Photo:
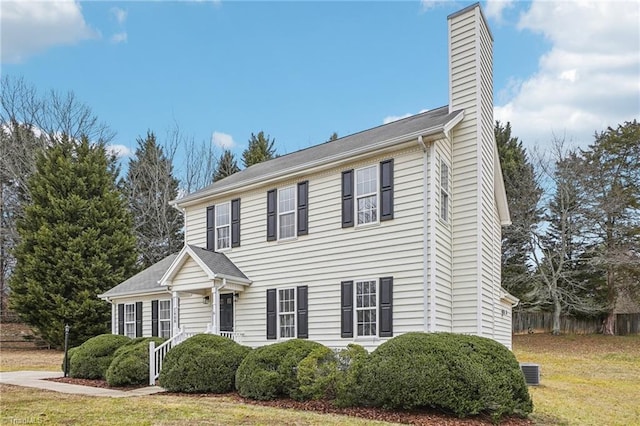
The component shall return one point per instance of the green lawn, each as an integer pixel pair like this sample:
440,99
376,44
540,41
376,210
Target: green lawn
585,380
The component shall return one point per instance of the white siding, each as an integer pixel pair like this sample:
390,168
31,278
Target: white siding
329,254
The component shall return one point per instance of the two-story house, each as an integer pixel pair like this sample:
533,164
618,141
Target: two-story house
390,230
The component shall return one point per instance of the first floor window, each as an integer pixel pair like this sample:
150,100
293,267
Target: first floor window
287,313
223,226
367,195
130,320
366,308
164,318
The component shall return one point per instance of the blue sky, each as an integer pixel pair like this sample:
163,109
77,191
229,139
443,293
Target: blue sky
302,70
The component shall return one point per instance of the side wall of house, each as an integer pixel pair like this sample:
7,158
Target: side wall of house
330,254
476,262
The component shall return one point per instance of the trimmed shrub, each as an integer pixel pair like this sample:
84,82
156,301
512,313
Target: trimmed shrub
70,353
91,359
202,363
349,387
270,371
331,375
130,365
462,374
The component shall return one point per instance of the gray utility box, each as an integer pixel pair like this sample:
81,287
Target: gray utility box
531,373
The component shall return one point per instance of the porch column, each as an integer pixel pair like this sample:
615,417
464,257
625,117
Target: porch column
114,320
175,312
215,302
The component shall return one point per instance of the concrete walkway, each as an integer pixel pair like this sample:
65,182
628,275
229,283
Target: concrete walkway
35,379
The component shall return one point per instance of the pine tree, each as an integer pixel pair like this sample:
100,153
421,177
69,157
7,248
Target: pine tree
260,149
227,165
76,242
523,197
150,186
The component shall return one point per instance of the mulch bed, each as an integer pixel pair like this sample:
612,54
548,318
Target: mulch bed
415,417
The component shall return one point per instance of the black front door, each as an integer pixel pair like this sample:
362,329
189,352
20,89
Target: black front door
226,312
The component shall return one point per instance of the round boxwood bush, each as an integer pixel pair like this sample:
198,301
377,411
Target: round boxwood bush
332,375
202,363
462,374
91,359
271,371
130,365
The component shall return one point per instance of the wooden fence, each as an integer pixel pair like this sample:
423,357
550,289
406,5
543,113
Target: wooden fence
542,322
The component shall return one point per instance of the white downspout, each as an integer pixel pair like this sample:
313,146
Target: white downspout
432,236
175,312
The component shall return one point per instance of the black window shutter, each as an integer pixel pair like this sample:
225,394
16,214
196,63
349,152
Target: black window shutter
121,318
235,222
211,228
138,319
154,318
303,208
272,222
346,301
271,314
386,307
303,311
386,190
347,199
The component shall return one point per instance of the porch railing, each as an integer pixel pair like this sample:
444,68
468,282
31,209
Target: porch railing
157,354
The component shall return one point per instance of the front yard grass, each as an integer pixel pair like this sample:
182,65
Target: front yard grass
585,379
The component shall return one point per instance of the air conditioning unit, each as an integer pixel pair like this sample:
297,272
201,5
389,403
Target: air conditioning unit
531,373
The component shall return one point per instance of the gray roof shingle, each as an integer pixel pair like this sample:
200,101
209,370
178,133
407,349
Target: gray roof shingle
218,262
143,282
432,120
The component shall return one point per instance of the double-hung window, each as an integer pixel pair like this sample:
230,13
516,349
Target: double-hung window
444,191
223,226
287,313
164,318
287,213
366,308
367,195
130,320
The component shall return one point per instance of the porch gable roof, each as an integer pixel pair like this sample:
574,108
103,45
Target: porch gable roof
213,264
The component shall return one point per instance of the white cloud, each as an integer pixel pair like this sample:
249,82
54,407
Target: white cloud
119,14
119,38
120,151
222,140
30,27
391,118
587,81
494,8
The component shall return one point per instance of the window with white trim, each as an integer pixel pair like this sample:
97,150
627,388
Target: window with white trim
367,195
130,320
223,226
287,213
444,191
164,318
366,308
287,313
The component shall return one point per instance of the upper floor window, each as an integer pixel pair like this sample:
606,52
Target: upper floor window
367,194
287,213
444,191
223,226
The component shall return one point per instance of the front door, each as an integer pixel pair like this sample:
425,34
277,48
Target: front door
226,312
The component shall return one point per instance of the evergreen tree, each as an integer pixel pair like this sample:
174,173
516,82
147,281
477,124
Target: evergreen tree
260,149
150,186
523,197
227,165
610,186
76,242
333,137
